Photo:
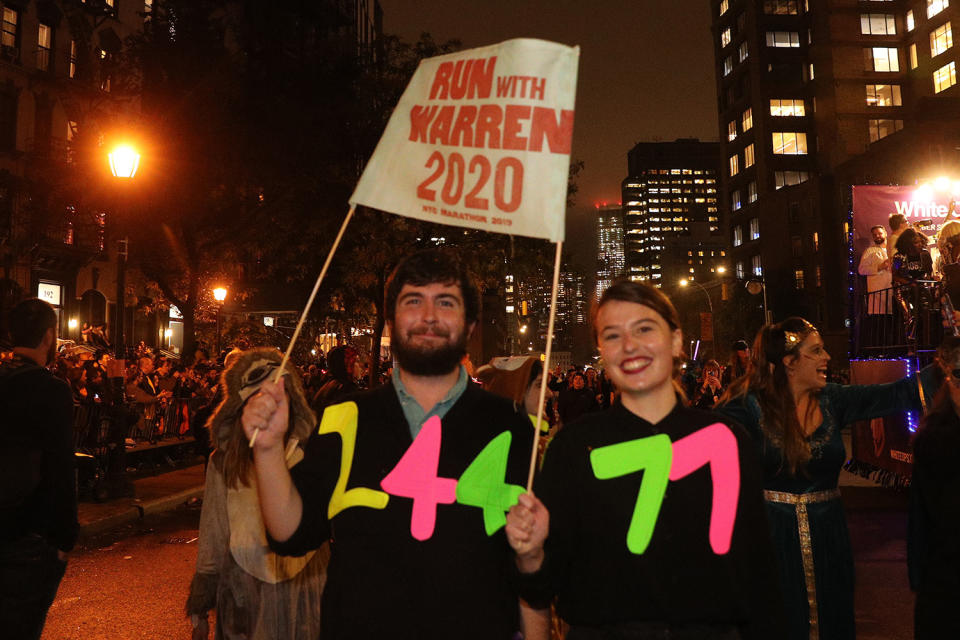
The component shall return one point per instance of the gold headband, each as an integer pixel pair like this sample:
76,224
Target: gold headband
792,339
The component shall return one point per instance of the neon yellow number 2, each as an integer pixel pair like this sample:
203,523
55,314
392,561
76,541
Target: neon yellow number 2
342,419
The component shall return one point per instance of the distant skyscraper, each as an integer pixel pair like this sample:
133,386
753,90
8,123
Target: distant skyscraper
611,261
671,187
814,97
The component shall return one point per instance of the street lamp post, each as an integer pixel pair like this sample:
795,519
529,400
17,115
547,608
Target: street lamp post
683,283
219,294
760,286
124,161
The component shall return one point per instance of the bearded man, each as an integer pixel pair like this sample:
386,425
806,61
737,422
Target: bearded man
388,477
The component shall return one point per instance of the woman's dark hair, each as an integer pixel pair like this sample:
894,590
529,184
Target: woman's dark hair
433,266
535,370
638,293
905,241
766,378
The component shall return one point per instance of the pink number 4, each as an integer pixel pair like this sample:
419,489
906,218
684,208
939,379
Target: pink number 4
415,476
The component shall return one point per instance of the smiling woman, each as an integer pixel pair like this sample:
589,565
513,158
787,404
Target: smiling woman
795,417
625,556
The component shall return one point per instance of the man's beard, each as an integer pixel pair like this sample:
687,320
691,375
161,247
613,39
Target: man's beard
429,361
880,241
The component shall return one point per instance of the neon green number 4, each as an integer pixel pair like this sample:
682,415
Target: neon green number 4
482,484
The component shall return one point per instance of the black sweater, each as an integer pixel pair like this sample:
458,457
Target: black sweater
36,452
678,579
383,583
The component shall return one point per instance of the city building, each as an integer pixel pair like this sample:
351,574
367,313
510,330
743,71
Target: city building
611,261
670,208
56,61
814,97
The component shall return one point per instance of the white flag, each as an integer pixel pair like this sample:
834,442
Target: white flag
481,139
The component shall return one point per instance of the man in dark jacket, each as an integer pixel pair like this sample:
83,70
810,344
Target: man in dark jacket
38,491
414,555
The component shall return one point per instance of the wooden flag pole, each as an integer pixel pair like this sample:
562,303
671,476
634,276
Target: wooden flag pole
306,309
546,367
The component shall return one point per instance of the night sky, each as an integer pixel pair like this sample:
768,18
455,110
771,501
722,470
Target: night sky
646,73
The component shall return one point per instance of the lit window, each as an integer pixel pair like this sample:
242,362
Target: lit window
727,65
724,6
752,192
936,6
818,273
748,156
73,59
737,236
816,242
811,76
754,228
945,77
910,22
746,120
732,130
734,165
789,39
877,24
883,127
883,95
147,10
913,55
798,278
725,37
881,59
786,107
781,7
743,51
740,271
789,178
941,39
44,44
757,268
11,22
510,308
789,143
735,200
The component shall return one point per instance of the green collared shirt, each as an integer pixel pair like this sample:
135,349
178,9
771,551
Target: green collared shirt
412,410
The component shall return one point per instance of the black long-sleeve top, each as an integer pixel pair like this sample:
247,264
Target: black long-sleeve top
678,579
36,447
933,539
383,583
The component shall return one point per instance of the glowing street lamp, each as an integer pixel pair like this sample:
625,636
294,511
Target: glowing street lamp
684,283
124,161
219,294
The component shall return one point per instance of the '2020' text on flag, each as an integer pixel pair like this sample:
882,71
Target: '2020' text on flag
481,139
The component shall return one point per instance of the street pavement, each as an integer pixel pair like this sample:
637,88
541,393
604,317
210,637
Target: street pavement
129,576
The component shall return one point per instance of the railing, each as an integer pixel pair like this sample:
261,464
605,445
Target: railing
107,439
902,320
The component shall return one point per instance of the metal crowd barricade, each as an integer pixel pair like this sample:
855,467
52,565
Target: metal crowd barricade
902,320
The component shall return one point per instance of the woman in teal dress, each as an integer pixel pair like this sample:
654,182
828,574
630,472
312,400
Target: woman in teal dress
784,401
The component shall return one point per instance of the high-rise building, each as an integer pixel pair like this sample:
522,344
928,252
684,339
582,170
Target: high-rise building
611,262
670,188
814,97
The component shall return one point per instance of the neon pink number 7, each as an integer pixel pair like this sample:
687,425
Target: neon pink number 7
717,446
